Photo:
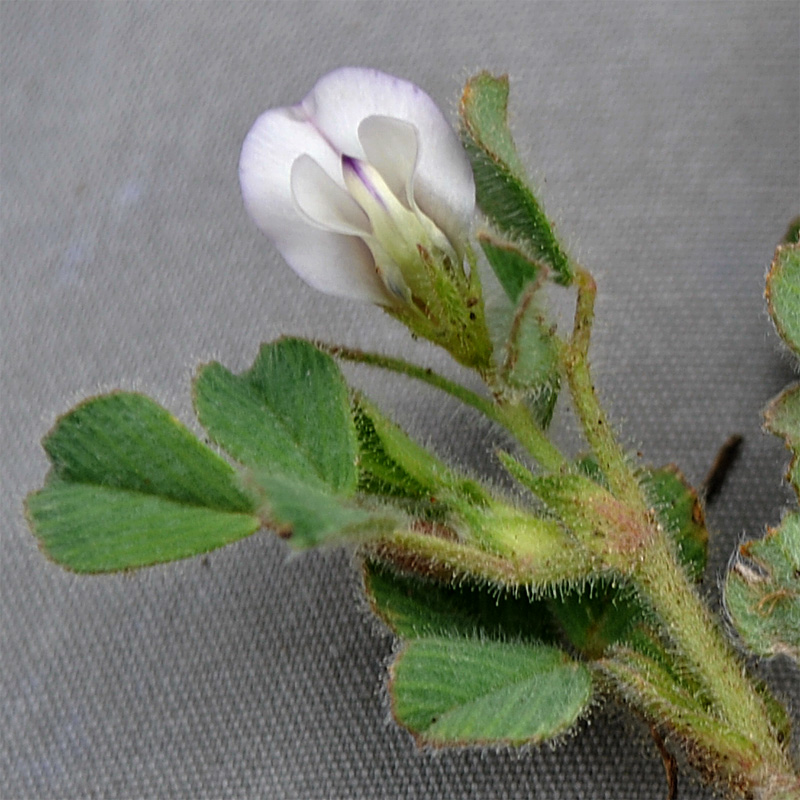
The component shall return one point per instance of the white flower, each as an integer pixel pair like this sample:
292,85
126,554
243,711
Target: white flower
361,186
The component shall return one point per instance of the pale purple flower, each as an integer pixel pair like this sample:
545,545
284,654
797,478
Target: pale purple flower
350,183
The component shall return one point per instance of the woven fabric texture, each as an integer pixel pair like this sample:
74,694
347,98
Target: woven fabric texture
665,139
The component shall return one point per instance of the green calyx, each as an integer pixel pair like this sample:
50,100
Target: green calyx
445,306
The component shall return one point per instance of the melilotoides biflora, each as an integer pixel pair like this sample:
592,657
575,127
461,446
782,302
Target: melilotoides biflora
513,611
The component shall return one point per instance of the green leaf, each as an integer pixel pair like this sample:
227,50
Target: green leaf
128,441
473,690
413,607
531,362
783,293
596,615
681,514
514,268
654,678
131,486
792,235
100,529
288,420
378,473
390,462
458,679
533,358
289,414
782,418
309,516
762,591
500,180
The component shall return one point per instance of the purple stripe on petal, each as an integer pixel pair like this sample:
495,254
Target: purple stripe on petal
355,166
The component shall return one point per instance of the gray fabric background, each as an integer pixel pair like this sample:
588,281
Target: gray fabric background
664,137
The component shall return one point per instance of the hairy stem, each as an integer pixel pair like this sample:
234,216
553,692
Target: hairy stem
691,627
656,571
517,419
611,457
450,561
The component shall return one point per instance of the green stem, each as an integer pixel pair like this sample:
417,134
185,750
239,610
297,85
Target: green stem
599,434
451,562
512,416
690,626
664,583
516,418
424,374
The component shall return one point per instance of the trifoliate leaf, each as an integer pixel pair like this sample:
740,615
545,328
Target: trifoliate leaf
131,486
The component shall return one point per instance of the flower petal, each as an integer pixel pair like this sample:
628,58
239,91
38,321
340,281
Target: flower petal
443,184
338,265
332,263
327,205
390,145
